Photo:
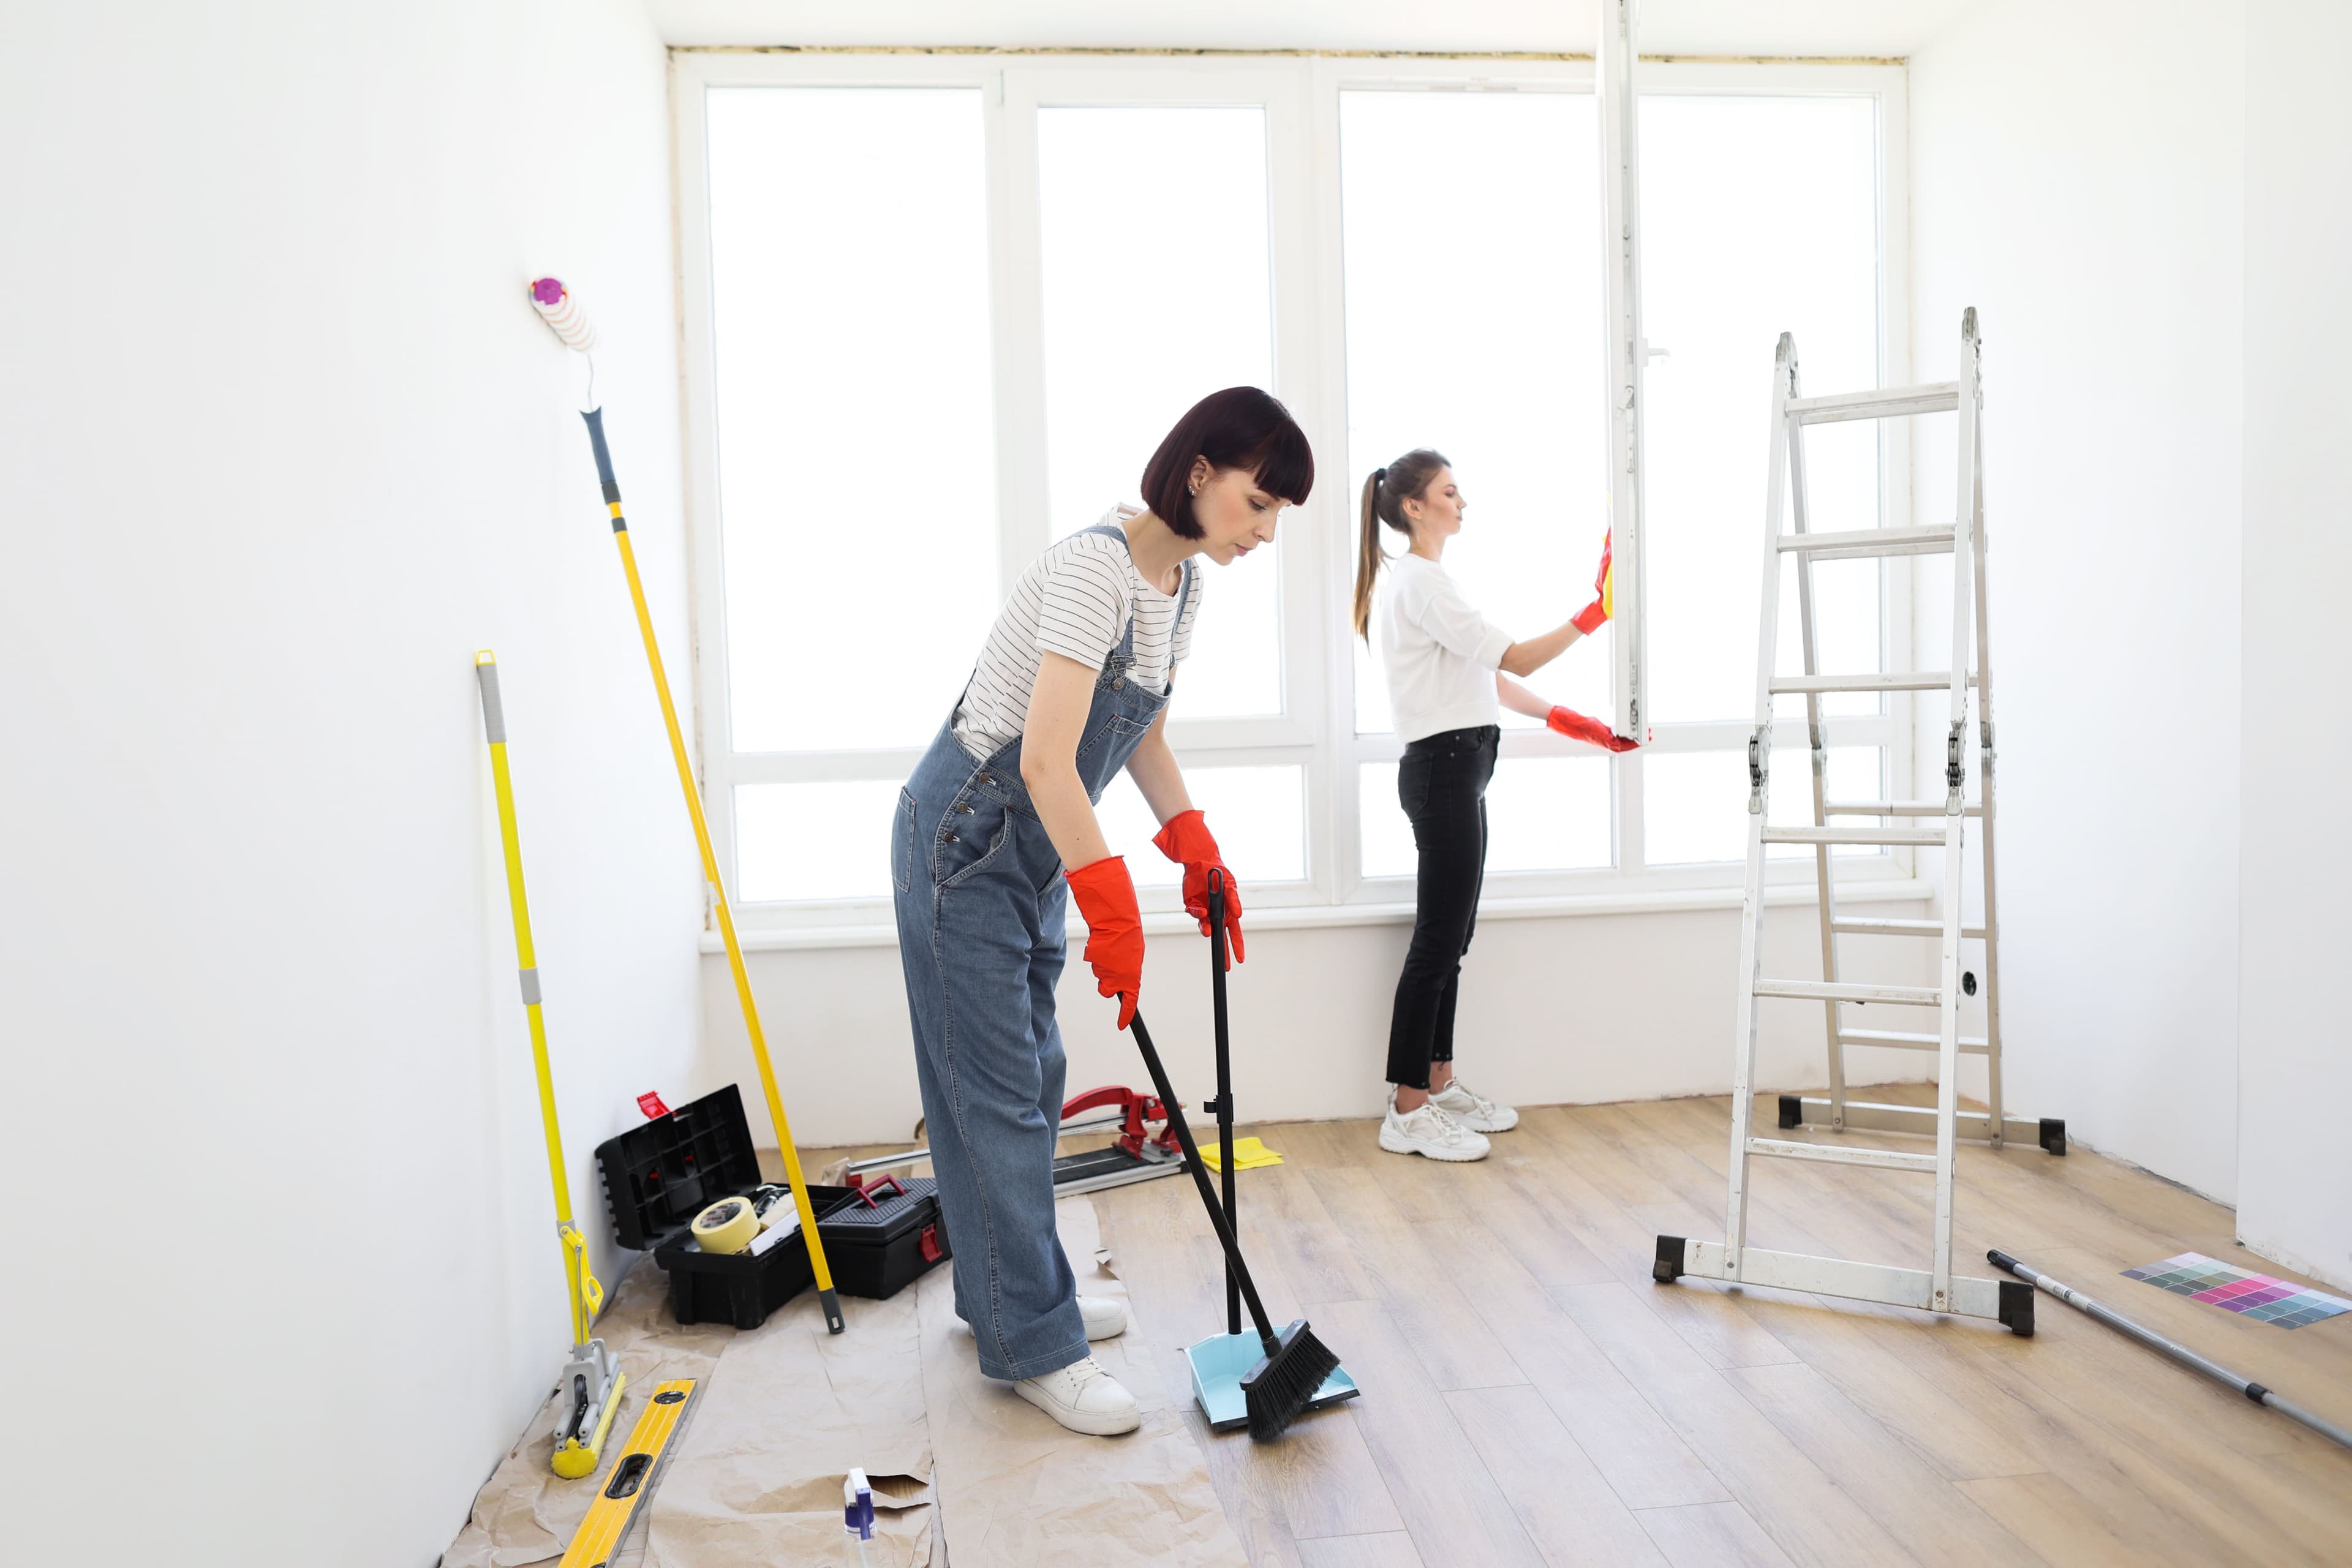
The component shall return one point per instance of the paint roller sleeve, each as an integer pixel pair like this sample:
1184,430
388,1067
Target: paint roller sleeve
562,313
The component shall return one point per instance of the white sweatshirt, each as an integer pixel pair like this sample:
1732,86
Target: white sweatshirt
1440,653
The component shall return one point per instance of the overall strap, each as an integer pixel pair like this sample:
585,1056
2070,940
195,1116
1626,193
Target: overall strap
1183,592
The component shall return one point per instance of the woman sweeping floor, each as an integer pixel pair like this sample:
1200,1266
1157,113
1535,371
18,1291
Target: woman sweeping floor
1449,675
1072,685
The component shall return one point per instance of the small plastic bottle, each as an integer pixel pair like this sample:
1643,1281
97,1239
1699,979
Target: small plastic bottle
856,1519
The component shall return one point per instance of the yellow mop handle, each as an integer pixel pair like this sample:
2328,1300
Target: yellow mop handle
831,1303
587,1295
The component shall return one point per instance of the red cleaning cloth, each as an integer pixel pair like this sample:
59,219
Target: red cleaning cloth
1567,722
1185,840
1105,895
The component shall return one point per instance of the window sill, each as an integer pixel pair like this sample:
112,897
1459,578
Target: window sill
1304,916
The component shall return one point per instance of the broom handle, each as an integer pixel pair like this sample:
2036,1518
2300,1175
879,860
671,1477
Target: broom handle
827,1301
1234,1268
1225,1084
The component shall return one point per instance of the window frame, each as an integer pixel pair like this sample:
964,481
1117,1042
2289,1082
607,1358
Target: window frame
1315,727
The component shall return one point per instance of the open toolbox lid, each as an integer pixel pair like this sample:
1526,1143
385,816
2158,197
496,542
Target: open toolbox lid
662,1172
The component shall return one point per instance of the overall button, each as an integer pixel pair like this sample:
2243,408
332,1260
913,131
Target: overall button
947,839
964,805
986,780
1119,685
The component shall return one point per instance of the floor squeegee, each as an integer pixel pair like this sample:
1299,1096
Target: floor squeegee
591,1382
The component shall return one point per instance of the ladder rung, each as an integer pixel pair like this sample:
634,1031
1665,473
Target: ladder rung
1930,836
1846,991
1935,541
1895,808
1837,1277
1970,1044
1900,928
1841,1154
1920,1122
1880,681
1887,403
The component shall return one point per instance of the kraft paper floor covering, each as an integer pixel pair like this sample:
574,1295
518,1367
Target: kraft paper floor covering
960,1467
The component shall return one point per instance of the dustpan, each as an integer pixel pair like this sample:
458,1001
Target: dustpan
1219,1361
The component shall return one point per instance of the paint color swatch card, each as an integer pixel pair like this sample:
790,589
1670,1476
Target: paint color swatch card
2256,1296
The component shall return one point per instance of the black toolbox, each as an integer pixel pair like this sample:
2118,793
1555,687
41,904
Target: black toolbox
659,1175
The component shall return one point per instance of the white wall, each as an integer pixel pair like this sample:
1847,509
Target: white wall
2295,1192
284,447
1553,1010
2077,173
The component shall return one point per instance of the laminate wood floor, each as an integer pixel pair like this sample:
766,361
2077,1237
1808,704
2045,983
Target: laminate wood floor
1532,1397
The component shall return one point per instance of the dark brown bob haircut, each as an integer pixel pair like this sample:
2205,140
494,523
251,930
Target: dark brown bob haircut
1241,427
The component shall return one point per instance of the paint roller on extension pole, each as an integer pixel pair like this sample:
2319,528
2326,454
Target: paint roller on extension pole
2101,1312
592,1380
565,319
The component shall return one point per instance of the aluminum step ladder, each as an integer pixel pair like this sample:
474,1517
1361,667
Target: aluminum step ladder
1935,1288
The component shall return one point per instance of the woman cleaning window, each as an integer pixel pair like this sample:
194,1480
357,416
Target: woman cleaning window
1071,687
1449,672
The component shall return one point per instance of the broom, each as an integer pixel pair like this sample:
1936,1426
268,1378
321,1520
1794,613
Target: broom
1287,1378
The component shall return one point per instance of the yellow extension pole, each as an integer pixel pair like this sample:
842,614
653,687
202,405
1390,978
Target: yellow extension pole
597,1380
825,1296
587,1295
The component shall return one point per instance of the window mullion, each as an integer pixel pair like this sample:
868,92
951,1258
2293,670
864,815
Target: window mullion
1017,297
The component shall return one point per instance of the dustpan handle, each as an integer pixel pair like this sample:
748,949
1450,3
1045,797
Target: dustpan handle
1224,1083
1235,1268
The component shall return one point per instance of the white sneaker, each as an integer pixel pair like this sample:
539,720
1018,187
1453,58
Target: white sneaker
1105,1317
1473,1110
1083,1397
1430,1131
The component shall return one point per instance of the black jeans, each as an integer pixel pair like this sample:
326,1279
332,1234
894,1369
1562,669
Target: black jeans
1442,784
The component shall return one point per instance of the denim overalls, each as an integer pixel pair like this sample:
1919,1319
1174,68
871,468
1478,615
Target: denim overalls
981,903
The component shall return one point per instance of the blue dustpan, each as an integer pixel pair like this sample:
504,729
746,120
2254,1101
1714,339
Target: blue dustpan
1218,1364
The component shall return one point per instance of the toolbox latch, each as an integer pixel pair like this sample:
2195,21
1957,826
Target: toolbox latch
931,1244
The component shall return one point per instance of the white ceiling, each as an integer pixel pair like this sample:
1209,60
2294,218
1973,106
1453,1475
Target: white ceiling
1814,28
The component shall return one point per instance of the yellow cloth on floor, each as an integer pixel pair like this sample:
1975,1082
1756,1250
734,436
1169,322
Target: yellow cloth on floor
1249,1154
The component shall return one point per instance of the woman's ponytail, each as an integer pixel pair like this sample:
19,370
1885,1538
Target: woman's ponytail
1369,554
1385,493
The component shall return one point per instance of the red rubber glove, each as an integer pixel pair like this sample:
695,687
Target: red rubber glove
1588,619
1185,840
1567,722
1105,895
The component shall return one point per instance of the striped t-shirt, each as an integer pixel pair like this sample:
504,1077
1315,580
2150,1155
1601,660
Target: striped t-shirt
1074,600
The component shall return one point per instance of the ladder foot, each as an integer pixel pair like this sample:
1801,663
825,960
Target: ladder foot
2017,1308
1669,1266
1792,1110
2054,1134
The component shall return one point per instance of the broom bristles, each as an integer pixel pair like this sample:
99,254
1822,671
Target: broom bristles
1280,1387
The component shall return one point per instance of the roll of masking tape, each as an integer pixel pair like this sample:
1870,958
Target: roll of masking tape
727,1225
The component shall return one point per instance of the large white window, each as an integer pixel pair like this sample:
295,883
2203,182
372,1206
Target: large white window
1474,303
1760,214
940,310
1137,328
